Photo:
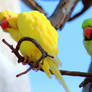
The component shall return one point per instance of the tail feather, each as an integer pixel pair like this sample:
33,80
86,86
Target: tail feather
51,66
46,68
56,59
56,72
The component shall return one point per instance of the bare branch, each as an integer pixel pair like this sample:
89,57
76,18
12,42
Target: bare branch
73,73
33,5
85,82
87,4
15,51
62,13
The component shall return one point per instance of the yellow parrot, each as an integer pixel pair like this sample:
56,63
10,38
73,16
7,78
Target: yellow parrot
35,25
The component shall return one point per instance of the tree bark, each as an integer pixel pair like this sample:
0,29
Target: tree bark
62,13
88,87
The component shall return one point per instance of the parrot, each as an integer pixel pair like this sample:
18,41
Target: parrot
35,25
87,41
87,27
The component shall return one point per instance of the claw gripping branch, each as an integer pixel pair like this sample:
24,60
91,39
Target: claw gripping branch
21,58
44,53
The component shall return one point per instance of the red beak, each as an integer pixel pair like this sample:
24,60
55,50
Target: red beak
4,24
88,32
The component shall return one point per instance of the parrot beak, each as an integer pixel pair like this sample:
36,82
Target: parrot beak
4,24
88,33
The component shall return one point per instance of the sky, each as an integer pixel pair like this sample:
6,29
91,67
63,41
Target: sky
71,52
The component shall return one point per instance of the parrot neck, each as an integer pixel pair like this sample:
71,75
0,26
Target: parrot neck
88,46
13,22
14,33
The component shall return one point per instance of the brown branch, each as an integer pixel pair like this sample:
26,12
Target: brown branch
88,86
20,58
62,13
73,73
86,5
70,73
33,5
85,82
78,14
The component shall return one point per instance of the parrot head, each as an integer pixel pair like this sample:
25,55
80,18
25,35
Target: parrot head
7,20
87,27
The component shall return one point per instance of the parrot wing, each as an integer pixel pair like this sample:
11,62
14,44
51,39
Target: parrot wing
36,25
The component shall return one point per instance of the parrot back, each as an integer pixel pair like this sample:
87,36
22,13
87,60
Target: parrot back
35,25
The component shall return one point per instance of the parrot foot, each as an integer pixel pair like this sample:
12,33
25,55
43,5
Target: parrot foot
33,67
44,55
26,61
36,68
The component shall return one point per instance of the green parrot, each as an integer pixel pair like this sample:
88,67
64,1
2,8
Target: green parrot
87,27
87,33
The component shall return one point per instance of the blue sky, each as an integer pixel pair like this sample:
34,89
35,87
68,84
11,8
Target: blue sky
71,52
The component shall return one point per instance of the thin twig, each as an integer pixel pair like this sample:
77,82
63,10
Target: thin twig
20,58
85,82
24,72
73,73
86,5
33,5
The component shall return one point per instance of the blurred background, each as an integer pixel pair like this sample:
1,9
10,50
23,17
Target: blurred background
8,65
71,52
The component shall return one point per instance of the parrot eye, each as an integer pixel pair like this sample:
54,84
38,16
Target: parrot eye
4,24
88,33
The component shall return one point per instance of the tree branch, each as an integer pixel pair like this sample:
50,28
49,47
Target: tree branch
86,5
62,13
75,73
33,5
63,72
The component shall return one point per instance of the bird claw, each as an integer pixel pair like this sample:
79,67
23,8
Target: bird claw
37,68
25,60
